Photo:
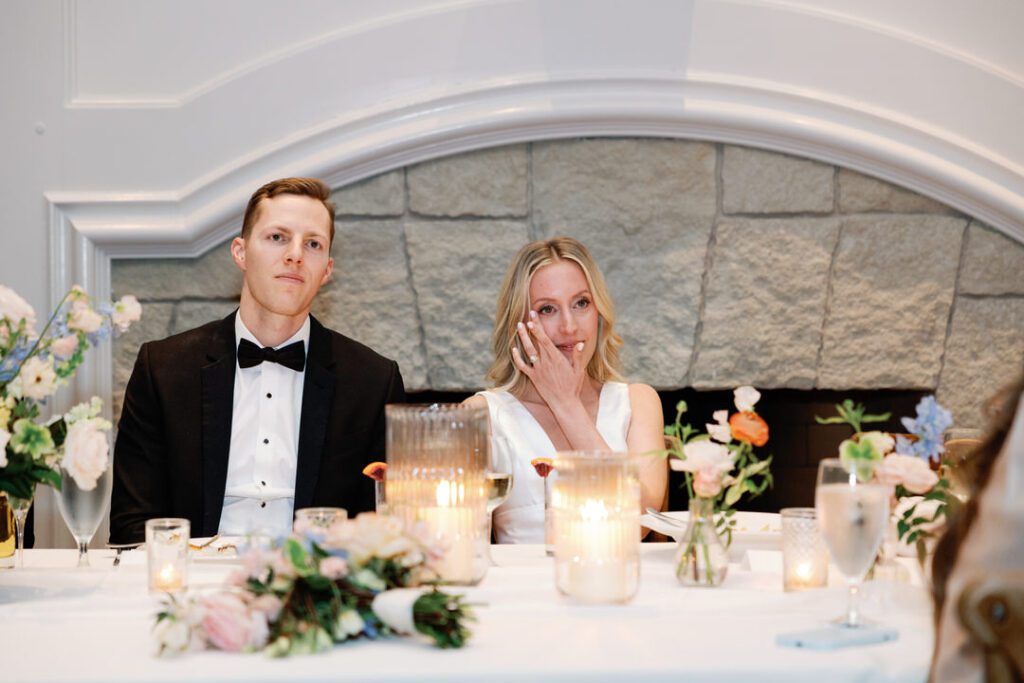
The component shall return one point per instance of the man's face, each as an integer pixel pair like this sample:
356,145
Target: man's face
285,259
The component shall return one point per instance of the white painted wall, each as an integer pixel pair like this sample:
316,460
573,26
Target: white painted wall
131,128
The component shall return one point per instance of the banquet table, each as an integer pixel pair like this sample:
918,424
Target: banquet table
58,623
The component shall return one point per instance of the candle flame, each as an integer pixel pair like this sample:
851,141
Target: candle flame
450,494
804,570
594,511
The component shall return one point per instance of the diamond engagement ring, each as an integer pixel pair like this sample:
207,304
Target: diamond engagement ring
534,359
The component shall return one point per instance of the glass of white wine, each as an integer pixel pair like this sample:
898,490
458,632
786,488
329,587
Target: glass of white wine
499,478
853,511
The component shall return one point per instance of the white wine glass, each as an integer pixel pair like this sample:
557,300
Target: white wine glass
83,509
853,512
499,482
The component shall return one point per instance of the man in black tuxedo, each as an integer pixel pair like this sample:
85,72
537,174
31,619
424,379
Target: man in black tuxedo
236,424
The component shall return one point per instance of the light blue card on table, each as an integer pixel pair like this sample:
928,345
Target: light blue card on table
836,637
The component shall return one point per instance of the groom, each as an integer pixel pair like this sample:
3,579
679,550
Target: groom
236,424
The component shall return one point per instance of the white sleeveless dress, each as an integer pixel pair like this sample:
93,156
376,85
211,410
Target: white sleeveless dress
520,519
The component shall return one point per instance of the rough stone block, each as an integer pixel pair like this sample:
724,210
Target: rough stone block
765,303
457,269
993,263
490,182
985,350
758,181
645,209
892,289
858,193
213,275
370,297
192,314
381,195
154,324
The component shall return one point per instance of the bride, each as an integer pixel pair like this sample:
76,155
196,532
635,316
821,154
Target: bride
558,383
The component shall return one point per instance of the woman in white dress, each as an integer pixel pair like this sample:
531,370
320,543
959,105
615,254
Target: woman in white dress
558,383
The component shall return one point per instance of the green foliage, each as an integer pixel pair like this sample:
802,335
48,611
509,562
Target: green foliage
852,414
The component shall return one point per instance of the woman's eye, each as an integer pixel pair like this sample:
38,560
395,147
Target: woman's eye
582,303
546,309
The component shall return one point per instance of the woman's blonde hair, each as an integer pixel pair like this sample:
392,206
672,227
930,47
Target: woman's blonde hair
514,303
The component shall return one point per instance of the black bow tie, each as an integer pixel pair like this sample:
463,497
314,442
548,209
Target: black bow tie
292,356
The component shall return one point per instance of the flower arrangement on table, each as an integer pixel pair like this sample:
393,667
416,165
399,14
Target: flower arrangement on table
368,577
922,500
32,367
720,467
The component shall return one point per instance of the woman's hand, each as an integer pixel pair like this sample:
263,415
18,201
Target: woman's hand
558,380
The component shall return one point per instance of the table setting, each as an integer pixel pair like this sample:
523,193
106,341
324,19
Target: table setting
417,591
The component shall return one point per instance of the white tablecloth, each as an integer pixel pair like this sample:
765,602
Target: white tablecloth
62,624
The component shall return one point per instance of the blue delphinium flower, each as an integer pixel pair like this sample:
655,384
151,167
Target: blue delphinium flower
931,421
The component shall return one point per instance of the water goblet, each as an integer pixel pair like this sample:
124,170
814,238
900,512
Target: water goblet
319,518
83,509
853,512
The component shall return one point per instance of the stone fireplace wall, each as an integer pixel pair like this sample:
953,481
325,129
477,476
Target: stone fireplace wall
728,265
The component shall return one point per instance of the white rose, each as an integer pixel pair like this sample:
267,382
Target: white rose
37,379
394,608
745,398
84,318
172,637
14,308
85,453
704,455
5,436
126,311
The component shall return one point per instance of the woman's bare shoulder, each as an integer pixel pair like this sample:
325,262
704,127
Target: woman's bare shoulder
475,401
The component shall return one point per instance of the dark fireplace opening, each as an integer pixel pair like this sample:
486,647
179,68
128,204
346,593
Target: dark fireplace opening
796,441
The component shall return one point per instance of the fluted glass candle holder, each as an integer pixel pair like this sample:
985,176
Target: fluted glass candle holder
167,554
596,504
804,555
437,474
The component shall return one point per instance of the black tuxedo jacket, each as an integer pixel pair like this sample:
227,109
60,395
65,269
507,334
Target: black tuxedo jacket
171,454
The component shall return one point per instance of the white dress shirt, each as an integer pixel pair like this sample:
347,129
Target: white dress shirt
265,418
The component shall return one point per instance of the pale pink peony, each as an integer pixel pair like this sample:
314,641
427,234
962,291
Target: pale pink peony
37,379
85,453
704,455
269,604
333,567
83,318
913,473
126,311
230,625
13,308
707,483
64,346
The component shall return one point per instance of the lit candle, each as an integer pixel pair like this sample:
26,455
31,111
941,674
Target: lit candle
167,579
453,525
804,559
598,569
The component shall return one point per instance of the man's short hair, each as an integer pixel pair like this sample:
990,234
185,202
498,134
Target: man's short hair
304,187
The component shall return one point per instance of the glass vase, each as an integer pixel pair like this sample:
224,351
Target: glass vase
701,558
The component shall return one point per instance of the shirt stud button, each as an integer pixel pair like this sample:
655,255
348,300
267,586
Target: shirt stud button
269,395
266,440
263,504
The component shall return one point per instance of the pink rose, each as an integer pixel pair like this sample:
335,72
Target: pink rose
707,482
333,567
85,453
65,346
230,625
913,473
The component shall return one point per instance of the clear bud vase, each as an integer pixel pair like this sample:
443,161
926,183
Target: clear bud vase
701,559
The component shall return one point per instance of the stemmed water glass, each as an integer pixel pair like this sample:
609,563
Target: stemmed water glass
853,512
20,508
499,478
83,509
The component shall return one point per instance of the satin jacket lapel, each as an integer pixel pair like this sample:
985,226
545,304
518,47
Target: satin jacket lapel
317,401
218,388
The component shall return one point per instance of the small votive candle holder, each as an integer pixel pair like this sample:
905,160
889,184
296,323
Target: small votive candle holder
317,518
804,555
596,504
167,554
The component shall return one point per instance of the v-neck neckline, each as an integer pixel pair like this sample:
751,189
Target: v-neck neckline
536,425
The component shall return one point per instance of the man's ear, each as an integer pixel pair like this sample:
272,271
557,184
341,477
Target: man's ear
327,273
238,252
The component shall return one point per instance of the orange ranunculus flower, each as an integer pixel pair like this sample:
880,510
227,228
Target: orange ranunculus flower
378,471
748,426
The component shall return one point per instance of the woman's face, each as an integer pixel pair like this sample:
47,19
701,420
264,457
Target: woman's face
565,307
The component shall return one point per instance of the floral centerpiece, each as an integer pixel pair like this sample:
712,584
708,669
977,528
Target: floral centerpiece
720,467
908,463
32,367
368,577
